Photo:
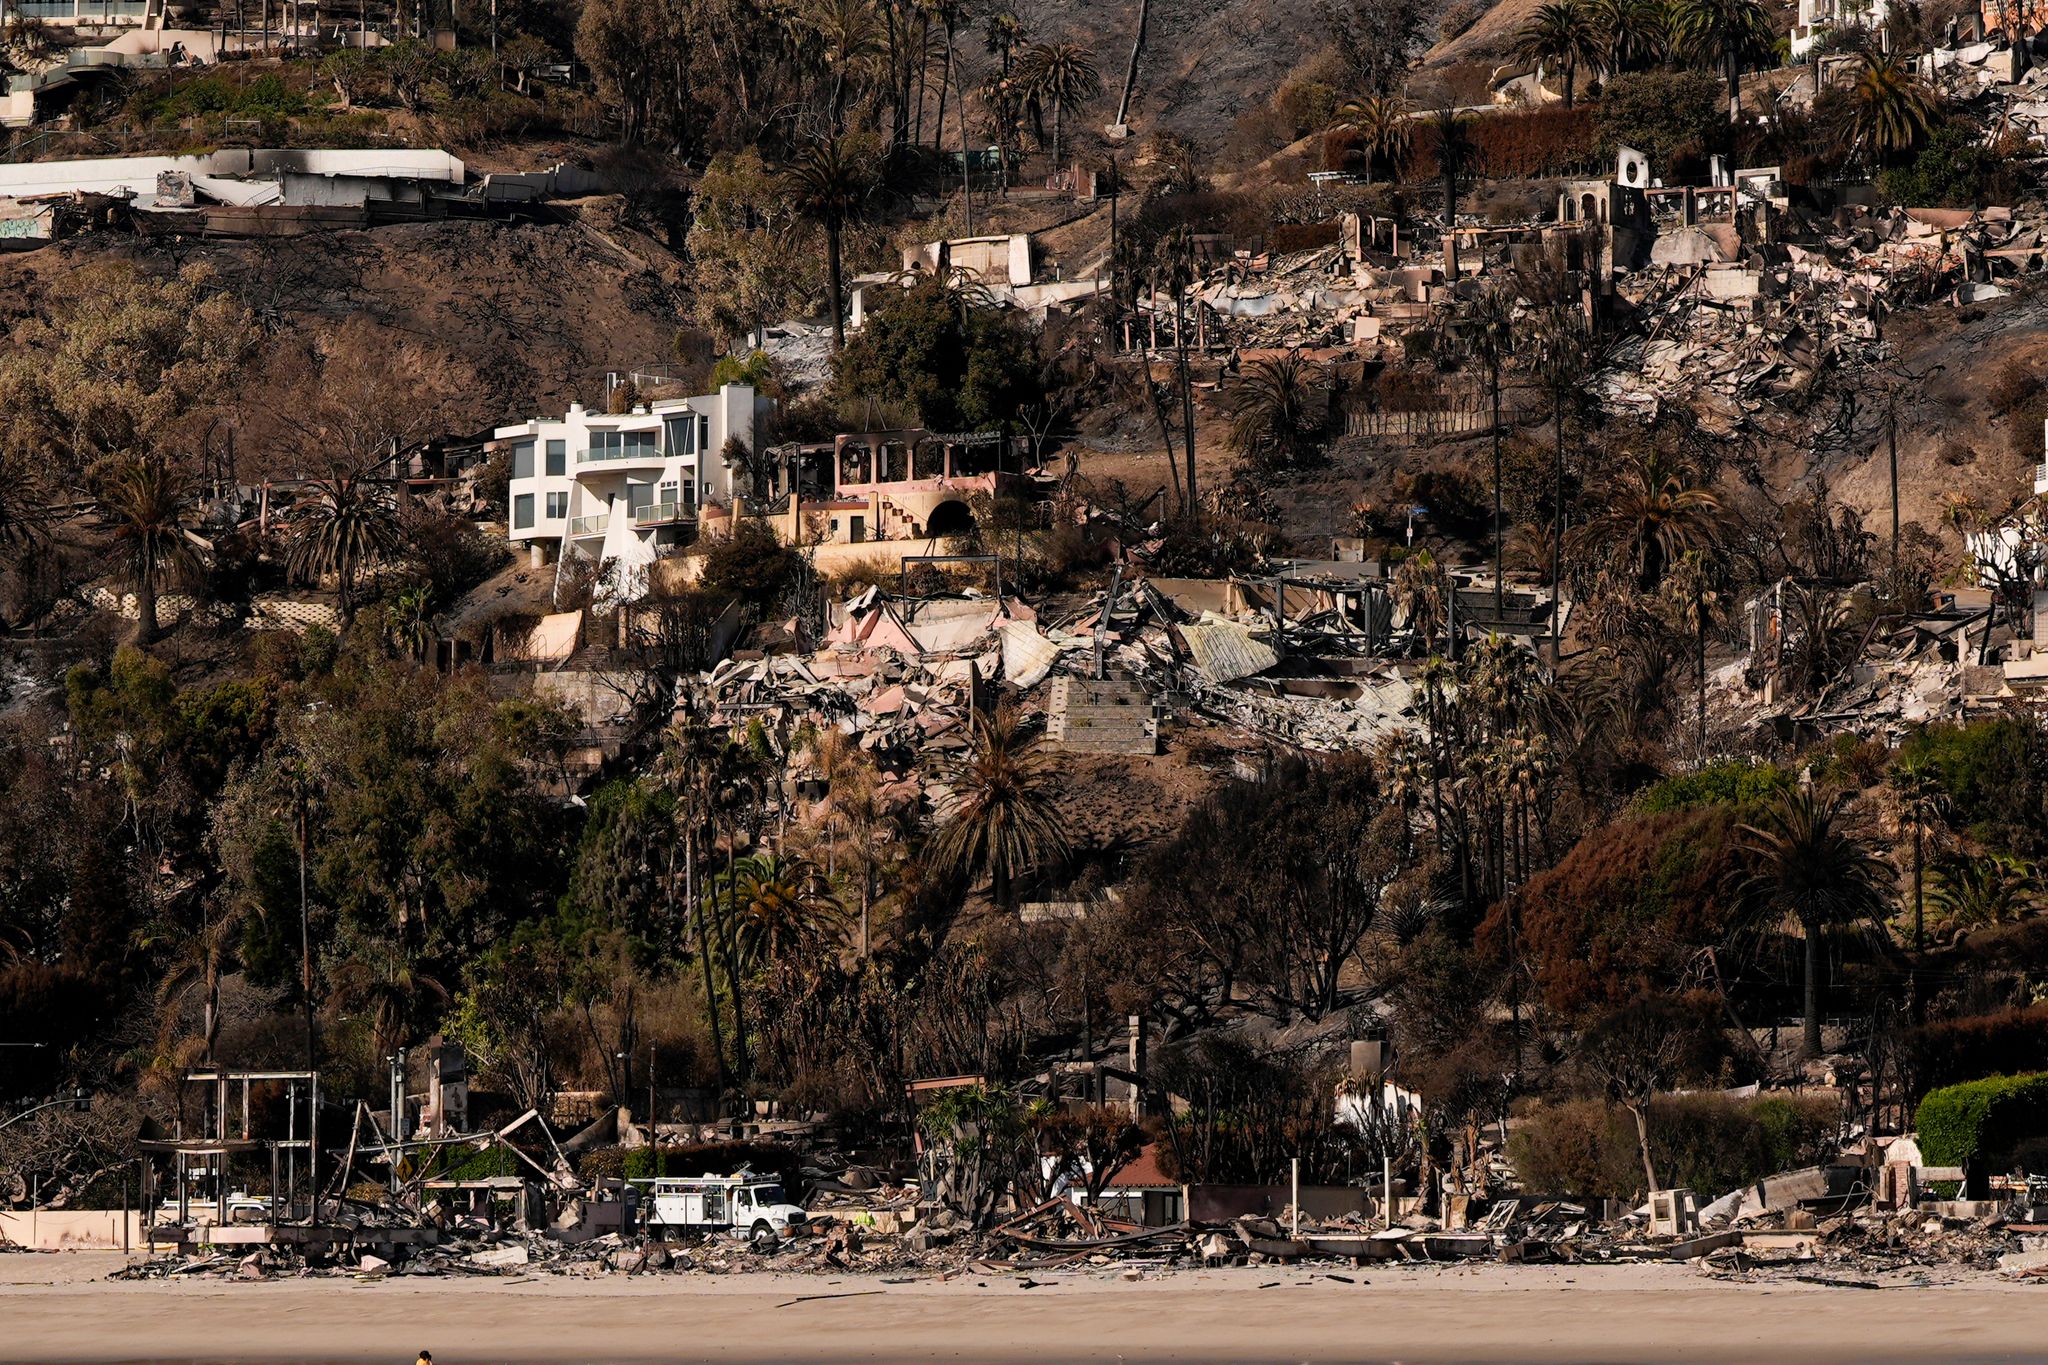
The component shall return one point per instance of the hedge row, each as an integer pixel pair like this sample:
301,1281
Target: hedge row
1982,1122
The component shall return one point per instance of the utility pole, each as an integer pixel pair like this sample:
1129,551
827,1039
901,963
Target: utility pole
305,933
397,1060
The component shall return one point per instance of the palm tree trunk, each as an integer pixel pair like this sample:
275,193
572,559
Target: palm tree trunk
1571,72
966,162
145,605
1810,1043
696,909
945,79
1187,393
1734,73
1123,105
1557,528
838,288
1499,531
1700,669
1919,912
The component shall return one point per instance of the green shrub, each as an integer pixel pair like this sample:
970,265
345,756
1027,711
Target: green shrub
267,97
483,1165
1724,784
1667,115
1706,1143
1982,1121
1952,171
1992,773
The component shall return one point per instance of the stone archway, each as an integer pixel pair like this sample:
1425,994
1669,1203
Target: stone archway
949,518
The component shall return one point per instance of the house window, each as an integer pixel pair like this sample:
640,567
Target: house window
522,460
558,458
639,497
558,506
522,505
682,435
621,445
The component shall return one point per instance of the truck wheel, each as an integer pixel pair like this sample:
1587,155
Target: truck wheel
762,1237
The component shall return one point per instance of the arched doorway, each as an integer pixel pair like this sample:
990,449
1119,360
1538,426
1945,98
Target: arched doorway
949,518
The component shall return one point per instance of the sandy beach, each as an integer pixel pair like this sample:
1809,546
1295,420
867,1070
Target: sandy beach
60,1308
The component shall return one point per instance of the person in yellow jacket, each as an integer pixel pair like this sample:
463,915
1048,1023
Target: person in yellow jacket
426,1358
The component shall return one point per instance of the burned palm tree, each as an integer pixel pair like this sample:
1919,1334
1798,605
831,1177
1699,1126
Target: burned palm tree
1277,411
1061,75
1001,820
146,499
1803,865
1383,126
831,185
347,524
1654,515
1561,32
780,909
1732,35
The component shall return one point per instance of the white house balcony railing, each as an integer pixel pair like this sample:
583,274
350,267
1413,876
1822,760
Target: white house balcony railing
2040,479
588,526
659,513
622,455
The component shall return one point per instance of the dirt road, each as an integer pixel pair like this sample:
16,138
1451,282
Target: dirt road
58,1309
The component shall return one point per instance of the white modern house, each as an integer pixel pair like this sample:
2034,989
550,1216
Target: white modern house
1818,18
621,486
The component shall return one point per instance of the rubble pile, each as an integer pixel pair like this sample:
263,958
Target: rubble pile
1726,336
900,676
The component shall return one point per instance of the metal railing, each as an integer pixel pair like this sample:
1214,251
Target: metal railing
77,9
595,456
655,513
588,526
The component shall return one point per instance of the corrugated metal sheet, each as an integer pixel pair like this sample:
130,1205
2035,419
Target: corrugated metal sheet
1225,651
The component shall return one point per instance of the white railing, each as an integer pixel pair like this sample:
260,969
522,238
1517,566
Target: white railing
657,512
588,526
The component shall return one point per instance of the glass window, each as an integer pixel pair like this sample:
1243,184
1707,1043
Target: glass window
682,435
522,460
605,445
558,505
639,445
704,433
639,497
558,458
522,508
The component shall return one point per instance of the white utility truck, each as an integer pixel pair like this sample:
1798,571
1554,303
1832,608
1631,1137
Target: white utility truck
749,1206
